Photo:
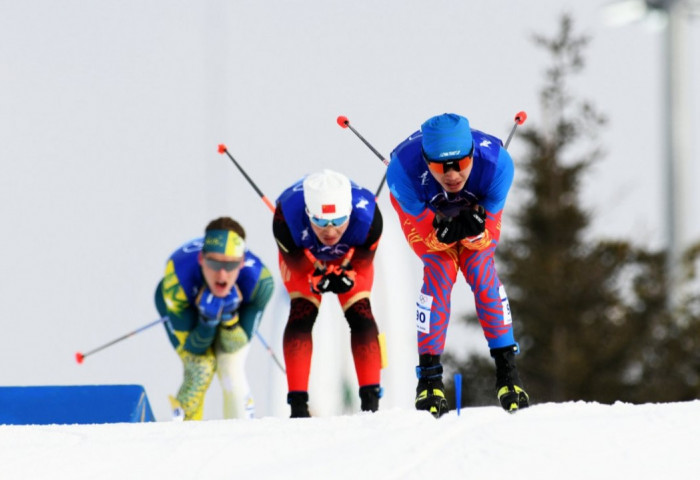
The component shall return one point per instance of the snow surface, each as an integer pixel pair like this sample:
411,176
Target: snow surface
575,440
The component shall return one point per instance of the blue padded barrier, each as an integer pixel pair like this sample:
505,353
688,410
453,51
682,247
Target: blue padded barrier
83,404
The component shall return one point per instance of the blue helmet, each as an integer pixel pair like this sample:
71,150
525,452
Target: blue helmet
446,137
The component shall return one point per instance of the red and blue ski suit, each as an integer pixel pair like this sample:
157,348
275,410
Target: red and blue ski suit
417,197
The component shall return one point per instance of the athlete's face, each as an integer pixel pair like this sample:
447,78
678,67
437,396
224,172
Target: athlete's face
452,175
329,235
453,180
220,271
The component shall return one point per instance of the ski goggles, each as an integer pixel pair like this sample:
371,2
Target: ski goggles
441,166
324,222
228,265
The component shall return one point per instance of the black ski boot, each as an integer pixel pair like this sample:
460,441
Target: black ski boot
369,397
299,401
430,393
508,385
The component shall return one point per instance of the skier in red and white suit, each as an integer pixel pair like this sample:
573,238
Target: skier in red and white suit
327,230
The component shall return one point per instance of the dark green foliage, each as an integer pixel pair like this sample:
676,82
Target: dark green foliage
591,316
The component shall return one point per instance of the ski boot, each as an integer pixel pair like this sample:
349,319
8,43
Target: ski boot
369,397
508,385
430,393
299,401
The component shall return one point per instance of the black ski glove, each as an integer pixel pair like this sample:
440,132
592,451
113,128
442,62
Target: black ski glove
467,223
320,280
333,279
342,279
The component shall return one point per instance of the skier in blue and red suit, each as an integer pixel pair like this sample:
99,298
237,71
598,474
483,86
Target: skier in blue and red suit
449,185
327,230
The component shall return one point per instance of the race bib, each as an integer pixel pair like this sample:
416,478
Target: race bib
423,306
507,319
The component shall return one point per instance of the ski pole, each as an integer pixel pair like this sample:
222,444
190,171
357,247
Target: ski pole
222,150
520,118
381,184
79,357
345,123
269,350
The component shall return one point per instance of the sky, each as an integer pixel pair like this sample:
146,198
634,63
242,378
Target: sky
549,441
110,118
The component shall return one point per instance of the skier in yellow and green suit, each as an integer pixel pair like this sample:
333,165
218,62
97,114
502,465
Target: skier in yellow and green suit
214,292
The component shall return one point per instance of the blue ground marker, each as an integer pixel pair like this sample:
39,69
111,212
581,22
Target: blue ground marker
458,392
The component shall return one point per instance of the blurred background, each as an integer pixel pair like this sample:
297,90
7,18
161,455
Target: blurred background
111,114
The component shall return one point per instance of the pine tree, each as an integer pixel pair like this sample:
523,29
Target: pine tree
591,316
669,368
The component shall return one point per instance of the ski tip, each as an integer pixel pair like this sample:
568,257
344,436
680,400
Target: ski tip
520,117
222,148
79,357
343,121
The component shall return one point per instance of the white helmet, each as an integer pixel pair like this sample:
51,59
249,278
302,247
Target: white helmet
327,195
